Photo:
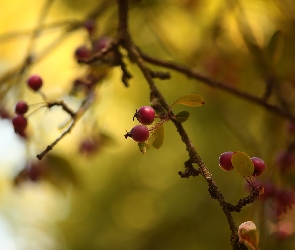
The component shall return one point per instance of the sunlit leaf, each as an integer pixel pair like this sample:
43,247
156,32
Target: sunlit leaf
242,163
182,116
192,100
249,235
156,138
275,47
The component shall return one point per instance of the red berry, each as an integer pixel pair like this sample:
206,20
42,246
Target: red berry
139,133
259,166
90,25
35,82
4,113
82,52
21,107
19,123
101,43
145,115
225,161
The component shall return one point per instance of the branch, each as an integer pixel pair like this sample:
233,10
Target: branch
216,84
137,58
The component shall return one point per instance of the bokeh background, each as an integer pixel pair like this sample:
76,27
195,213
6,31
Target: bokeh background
114,197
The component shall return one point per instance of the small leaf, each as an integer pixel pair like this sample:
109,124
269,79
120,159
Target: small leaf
275,47
156,138
60,171
249,235
182,116
192,100
159,134
242,163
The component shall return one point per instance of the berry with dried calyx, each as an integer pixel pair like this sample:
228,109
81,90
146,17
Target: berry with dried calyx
139,133
225,161
259,166
21,107
145,115
35,82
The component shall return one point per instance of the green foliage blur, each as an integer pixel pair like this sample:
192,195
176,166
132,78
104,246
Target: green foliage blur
117,198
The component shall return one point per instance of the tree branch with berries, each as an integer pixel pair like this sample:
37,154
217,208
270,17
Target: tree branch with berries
104,53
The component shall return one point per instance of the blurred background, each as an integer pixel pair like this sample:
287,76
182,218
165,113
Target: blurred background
95,189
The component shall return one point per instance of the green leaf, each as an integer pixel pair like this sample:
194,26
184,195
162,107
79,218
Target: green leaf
182,116
249,235
192,100
242,163
60,171
156,138
275,47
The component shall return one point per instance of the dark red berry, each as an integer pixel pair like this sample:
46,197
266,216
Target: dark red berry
259,166
82,52
19,123
35,82
139,133
285,160
225,161
101,43
90,25
21,107
145,115
89,146
4,114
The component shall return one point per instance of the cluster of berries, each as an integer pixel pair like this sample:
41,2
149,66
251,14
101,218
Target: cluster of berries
19,121
226,164
140,133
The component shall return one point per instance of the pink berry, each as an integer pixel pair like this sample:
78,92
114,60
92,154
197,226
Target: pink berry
101,43
145,115
21,107
90,25
35,82
82,52
259,166
19,123
225,161
139,133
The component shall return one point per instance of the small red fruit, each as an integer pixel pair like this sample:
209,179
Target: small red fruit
145,115
101,43
35,82
82,52
90,25
139,133
259,166
19,123
21,107
225,161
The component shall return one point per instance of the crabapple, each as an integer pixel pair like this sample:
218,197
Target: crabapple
21,107
101,43
35,82
90,25
259,166
82,52
225,161
145,115
139,133
19,123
